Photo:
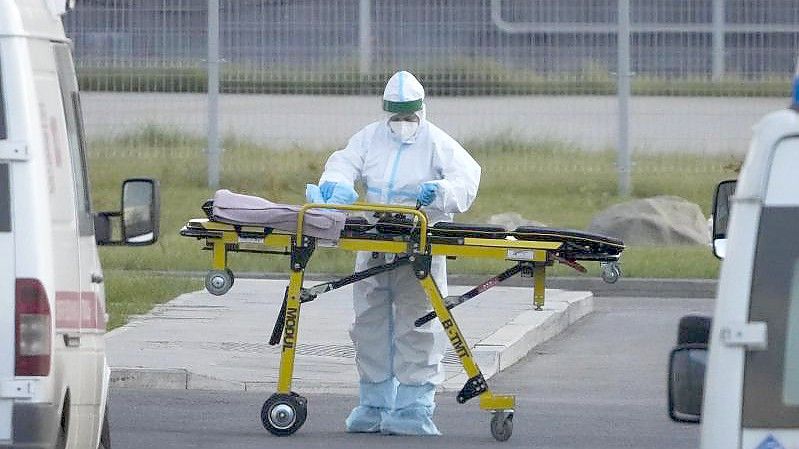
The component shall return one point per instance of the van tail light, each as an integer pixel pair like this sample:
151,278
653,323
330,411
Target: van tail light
32,330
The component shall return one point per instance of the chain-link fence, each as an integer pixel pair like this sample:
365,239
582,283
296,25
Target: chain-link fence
528,86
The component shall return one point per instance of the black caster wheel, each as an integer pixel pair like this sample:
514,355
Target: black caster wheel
284,414
502,425
218,282
232,277
611,272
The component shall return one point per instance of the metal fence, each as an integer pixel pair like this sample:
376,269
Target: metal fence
485,47
700,72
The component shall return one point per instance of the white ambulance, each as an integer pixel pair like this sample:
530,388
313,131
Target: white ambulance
739,371
53,371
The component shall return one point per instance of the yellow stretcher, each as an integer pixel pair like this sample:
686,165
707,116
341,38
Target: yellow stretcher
403,231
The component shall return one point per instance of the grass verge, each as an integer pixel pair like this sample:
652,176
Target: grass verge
468,82
128,295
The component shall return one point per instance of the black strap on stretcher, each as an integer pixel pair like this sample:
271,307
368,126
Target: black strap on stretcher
309,294
453,301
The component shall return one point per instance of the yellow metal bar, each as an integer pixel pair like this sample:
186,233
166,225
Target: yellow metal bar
488,252
539,276
219,259
489,401
378,246
454,334
290,330
277,240
369,208
504,243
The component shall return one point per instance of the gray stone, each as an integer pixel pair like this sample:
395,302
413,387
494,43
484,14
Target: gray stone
512,220
661,220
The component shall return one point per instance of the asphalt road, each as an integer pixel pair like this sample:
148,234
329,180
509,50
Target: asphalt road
599,385
701,125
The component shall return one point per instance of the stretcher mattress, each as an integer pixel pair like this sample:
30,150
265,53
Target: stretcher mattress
238,209
577,245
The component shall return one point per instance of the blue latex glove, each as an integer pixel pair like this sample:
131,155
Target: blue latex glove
313,194
327,188
427,193
340,194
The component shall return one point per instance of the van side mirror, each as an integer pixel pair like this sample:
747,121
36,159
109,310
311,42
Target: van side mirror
687,368
686,382
137,223
721,216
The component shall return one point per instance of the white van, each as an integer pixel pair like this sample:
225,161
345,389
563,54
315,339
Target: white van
748,395
53,372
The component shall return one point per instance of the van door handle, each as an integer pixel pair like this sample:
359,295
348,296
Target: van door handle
752,336
97,278
72,340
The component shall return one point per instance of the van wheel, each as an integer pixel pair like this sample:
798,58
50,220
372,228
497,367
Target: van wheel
105,433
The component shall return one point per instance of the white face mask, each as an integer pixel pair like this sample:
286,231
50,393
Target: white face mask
405,130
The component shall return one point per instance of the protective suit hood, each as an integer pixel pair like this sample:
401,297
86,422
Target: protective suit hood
404,94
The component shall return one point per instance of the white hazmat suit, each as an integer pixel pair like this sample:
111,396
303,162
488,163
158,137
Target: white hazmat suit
399,364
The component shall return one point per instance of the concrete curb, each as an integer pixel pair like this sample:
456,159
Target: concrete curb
516,339
498,351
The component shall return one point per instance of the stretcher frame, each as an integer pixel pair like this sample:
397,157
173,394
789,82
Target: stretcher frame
417,249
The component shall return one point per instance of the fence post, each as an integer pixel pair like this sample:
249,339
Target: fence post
623,95
365,37
213,94
718,40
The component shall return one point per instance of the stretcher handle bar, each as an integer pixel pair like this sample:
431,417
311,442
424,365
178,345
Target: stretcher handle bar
458,300
366,207
309,294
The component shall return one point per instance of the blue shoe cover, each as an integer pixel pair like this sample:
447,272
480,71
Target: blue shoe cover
376,399
409,421
364,419
413,412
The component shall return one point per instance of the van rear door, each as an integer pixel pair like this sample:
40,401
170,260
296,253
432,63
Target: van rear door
6,277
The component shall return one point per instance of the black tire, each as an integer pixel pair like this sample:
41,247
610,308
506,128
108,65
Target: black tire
232,276
105,433
502,426
284,414
218,282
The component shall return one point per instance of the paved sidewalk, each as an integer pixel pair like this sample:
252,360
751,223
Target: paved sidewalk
200,341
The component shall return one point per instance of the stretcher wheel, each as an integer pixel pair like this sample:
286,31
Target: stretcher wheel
502,425
611,272
218,282
232,277
284,414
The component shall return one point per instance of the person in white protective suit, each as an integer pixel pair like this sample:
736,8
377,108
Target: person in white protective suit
401,159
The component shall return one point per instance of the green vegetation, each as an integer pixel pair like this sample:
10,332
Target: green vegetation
461,80
548,182
130,294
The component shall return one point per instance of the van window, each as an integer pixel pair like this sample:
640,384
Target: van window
771,377
77,143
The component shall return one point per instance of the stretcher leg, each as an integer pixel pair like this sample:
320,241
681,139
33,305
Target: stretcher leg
290,330
501,406
220,278
539,277
285,411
